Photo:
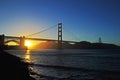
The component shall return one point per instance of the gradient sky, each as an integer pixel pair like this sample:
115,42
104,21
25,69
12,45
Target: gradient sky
83,20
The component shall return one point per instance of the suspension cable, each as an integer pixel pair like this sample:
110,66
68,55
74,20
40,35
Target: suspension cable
73,35
42,30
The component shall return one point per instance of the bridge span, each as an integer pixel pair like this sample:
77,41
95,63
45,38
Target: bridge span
21,39
40,39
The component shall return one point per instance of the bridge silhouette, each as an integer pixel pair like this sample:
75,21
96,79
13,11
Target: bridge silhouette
21,40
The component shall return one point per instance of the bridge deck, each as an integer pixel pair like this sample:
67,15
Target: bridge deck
40,39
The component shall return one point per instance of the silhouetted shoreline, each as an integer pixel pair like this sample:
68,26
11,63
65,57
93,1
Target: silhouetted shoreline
13,68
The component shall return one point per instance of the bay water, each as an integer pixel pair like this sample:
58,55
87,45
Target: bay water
73,64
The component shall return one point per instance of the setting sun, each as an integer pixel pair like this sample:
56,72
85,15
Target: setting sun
28,43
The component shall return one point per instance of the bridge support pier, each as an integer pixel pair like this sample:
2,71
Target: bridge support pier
2,42
59,35
22,42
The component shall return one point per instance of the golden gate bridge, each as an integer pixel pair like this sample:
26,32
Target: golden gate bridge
21,40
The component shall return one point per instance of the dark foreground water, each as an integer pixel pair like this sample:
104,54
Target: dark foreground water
73,64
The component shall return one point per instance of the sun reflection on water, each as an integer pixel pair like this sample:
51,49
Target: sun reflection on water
28,56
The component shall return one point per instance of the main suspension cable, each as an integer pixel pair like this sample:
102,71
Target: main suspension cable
42,30
72,34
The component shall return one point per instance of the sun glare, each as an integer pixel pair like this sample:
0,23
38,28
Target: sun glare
27,43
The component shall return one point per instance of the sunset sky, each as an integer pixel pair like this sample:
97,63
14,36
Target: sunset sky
83,20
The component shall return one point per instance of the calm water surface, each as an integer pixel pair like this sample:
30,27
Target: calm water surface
93,60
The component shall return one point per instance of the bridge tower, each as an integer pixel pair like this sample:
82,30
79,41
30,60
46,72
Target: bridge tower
100,40
2,38
22,42
59,35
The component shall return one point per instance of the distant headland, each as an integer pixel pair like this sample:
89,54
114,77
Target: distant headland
89,45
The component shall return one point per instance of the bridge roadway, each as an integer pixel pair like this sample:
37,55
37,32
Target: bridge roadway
40,39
